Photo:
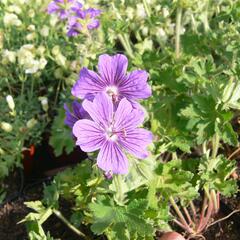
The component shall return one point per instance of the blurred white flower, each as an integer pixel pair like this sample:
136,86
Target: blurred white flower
31,13
165,12
31,36
8,56
56,50
25,54
31,123
14,9
2,151
31,28
161,34
7,127
11,19
10,102
42,63
144,31
141,11
60,59
53,20
44,103
130,13
44,31
40,50
32,66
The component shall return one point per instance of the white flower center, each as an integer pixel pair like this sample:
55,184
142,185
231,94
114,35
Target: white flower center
112,91
111,135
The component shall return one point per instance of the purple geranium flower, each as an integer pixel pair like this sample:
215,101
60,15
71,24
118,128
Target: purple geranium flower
77,113
63,7
82,21
112,133
113,80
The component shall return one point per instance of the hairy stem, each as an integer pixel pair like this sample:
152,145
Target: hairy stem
180,215
215,145
188,215
193,210
74,229
204,206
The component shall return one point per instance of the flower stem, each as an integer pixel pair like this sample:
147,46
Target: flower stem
215,145
178,31
125,43
119,197
180,215
64,220
146,8
205,19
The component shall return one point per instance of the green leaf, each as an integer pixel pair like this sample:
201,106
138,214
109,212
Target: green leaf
120,218
215,173
61,139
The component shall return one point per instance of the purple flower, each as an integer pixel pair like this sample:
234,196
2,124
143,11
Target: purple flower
112,133
63,7
82,21
77,113
113,80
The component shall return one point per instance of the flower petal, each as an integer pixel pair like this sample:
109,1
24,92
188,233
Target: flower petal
112,68
93,24
111,158
70,118
88,84
135,86
53,7
135,142
89,137
126,117
100,110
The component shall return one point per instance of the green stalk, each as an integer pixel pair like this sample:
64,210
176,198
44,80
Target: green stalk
126,45
119,190
146,8
74,229
215,145
178,31
180,215
205,20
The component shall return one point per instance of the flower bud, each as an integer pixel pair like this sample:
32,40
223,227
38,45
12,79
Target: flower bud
11,19
31,28
7,127
44,31
44,103
31,123
61,60
31,13
165,12
40,50
8,56
56,50
31,36
1,151
58,73
14,8
10,102
42,63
